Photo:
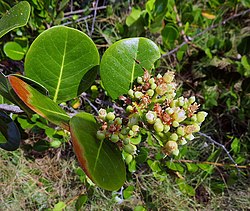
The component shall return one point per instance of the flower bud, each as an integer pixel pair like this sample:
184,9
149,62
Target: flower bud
180,131
168,77
181,101
151,80
189,137
150,92
194,118
151,117
161,89
183,141
131,93
153,86
179,115
128,159
139,80
131,133
100,135
110,116
102,113
166,128
170,147
174,137
138,94
191,99
126,141
135,128
114,138
130,148
158,126
201,116
159,76
175,124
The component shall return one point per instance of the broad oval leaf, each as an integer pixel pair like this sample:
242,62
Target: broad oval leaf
58,59
16,17
101,160
124,61
39,103
9,132
13,50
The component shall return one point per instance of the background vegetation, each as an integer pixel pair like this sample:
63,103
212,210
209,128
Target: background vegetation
207,44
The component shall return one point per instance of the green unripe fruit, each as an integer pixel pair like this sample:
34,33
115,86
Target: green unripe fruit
126,141
55,144
131,93
100,135
124,131
138,94
114,138
130,148
174,137
118,121
201,116
158,126
150,92
128,159
129,109
175,124
110,116
121,136
131,133
180,131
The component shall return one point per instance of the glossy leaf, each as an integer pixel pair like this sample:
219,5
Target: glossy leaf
13,50
101,160
39,103
58,59
16,17
124,61
8,132
169,35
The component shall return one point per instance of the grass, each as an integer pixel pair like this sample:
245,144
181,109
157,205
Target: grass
39,182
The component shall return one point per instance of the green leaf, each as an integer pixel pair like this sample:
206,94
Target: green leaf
9,133
139,208
169,34
13,50
123,61
244,47
58,59
82,199
185,188
16,17
59,206
128,192
192,167
133,16
101,160
235,145
175,166
246,64
39,103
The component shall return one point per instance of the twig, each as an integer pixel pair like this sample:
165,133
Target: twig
11,108
204,31
84,96
210,163
95,12
220,145
84,10
78,20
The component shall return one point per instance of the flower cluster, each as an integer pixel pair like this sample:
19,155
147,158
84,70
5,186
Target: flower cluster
152,105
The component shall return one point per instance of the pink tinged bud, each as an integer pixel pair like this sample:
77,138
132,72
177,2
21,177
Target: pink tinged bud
102,113
179,115
168,77
151,117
